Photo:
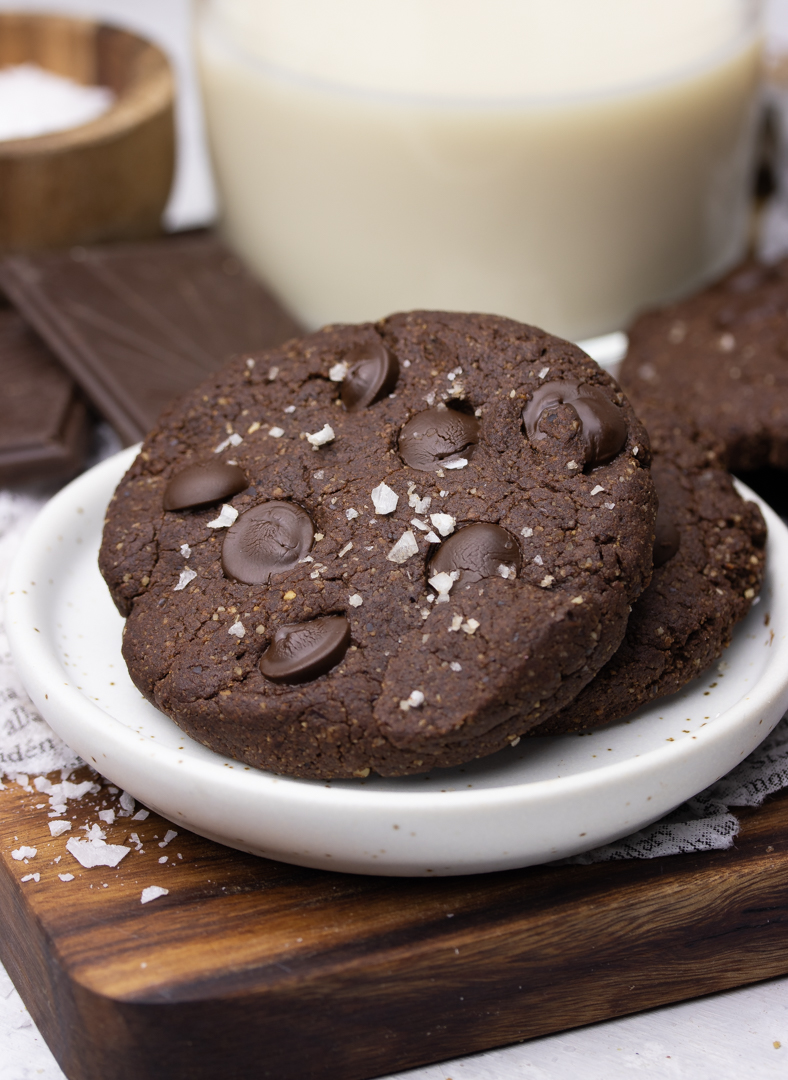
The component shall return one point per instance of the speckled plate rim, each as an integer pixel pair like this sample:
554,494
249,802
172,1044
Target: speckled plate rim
358,827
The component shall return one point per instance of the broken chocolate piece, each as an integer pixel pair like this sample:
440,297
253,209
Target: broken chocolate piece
139,324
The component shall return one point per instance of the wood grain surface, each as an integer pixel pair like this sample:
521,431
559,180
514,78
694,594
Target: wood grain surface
250,967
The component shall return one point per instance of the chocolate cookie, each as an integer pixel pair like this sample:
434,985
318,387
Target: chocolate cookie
443,521
709,556
720,359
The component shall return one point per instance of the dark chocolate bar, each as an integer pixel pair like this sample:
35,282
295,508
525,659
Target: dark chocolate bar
44,425
139,324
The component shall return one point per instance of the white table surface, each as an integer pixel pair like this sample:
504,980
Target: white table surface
739,1034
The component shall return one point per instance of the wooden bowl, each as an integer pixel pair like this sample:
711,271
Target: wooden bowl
105,180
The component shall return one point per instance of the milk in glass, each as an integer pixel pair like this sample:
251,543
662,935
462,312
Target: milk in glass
563,162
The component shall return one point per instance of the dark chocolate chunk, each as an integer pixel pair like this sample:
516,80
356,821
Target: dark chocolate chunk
44,426
435,436
301,652
266,540
475,552
373,371
203,484
569,410
666,539
139,324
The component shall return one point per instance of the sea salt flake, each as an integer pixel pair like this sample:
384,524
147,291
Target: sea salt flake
455,463
232,440
576,600
433,539
442,584
572,465
184,579
404,548
276,432
456,623
272,373
514,742
421,506
227,515
163,859
412,701
185,551
471,626
384,499
538,560
31,877
237,630
168,837
543,372
107,816
23,852
250,363
92,853
66,877
506,572
610,506
351,513
338,371
547,581
635,450
343,551
527,531
419,524
153,892
320,438
141,814
95,832
455,666
34,101
57,828
126,801
444,523
355,600
596,490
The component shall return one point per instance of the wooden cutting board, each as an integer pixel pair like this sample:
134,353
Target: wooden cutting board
254,968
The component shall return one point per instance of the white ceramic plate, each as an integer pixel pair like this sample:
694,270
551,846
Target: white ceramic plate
543,800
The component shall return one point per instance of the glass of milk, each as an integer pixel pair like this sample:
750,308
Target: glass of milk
563,162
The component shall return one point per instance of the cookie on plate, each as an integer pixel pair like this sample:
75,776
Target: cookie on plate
709,557
382,547
720,359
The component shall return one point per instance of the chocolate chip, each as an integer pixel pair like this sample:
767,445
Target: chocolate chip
202,484
476,552
266,540
373,371
437,436
568,411
302,651
666,540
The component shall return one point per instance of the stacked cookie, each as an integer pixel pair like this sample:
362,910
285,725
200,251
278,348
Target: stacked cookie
720,360
384,547
405,545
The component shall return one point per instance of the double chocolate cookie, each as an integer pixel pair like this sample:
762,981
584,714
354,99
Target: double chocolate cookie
709,554
382,547
720,359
